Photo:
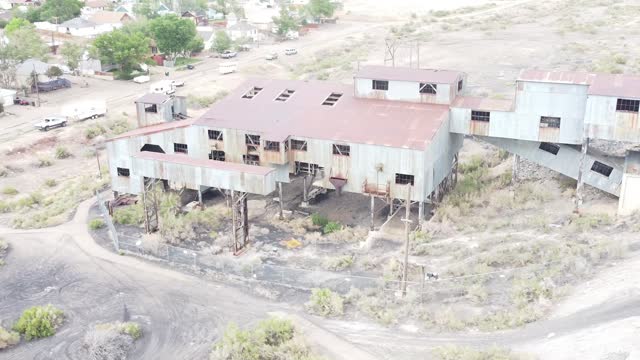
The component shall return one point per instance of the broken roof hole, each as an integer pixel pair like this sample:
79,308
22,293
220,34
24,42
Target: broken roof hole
332,99
285,95
251,93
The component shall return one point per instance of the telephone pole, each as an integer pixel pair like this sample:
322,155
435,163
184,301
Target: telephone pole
407,221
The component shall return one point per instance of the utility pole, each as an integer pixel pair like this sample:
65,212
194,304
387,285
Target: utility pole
406,240
35,81
418,54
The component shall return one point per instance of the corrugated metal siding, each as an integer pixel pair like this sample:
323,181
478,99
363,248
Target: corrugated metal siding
403,91
604,122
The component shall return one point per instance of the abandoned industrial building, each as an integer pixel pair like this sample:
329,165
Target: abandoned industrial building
395,134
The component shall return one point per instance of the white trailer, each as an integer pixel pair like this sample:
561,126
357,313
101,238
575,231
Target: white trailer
85,110
162,87
227,68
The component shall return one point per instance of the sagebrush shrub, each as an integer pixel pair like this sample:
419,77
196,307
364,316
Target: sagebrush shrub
39,321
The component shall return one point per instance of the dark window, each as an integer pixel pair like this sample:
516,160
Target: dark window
252,139
549,122
251,159
460,85
152,148
601,168
300,145
627,105
151,108
180,148
285,95
332,99
216,155
549,147
341,149
308,168
426,88
215,135
271,146
380,85
123,172
404,179
480,115
251,93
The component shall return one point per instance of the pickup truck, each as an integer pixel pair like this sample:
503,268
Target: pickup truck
177,83
272,56
51,122
228,54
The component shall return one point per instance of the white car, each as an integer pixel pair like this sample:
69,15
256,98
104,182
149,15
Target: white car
177,83
51,122
272,56
141,79
290,51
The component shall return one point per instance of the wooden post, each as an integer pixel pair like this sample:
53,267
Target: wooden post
406,241
280,200
200,198
373,206
580,185
421,212
515,169
304,190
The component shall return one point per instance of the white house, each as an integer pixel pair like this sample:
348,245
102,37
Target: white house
207,34
7,96
24,72
242,29
93,6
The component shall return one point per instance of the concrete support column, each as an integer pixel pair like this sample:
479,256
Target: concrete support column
390,203
580,185
373,206
305,201
515,171
420,212
280,200
200,198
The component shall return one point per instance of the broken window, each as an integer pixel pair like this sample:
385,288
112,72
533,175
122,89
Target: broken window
251,93
404,179
549,122
251,159
332,99
341,149
308,168
123,172
216,155
549,147
180,148
271,146
601,168
426,88
300,145
480,115
380,85
627,105
152,148
252,139
460,85
285,95
152,108
215,135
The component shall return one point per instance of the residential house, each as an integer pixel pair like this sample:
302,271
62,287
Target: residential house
82,27
260,17
207,34
125,8
25,71
93,6
243,30
198,17
111,18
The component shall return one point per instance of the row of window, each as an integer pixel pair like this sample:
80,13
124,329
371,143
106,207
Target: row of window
597,166
545,121
254,142
286,94
423,88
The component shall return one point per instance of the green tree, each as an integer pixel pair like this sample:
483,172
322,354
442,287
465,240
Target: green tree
196,45
320,8
72,54
54,72
285,21
18,23
58,11
22,44
193,5
173,35
221,42
146,9
125,50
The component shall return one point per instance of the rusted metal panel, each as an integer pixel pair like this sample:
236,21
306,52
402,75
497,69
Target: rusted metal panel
274,157
549,134
479,127
340,166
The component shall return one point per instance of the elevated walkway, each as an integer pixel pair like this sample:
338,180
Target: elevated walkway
566,161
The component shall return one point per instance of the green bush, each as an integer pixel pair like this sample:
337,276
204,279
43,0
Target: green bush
340,263
325,302
132,329
276,332
39,322
9,190
331,226
129,215
94,131
62,153
319,220
50,182
43,162
453,352
8,338
96,224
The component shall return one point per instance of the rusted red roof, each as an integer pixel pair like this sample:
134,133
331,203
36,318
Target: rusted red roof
599,84
409,74
152,129
616,85
566,77
480,103
184,159
364,121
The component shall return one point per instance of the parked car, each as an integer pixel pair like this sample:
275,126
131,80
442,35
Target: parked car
272,56
141,79
51,122
52,85
177,83
190,67
21,101
228,54
290,51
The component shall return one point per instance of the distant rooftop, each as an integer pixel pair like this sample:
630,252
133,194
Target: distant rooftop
599,84
302,114
152,129
409,74
480,103
153,98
